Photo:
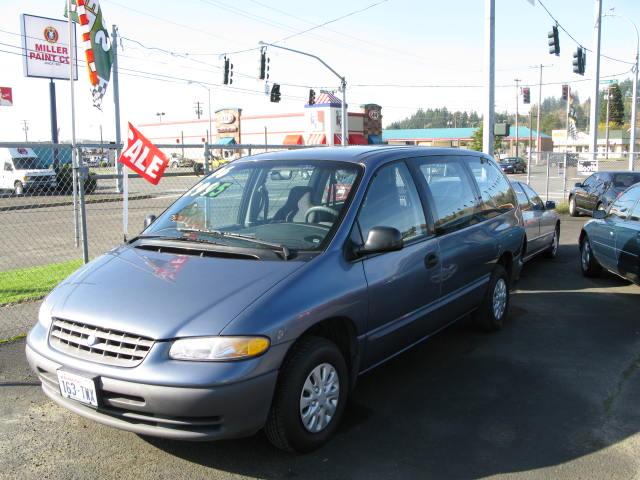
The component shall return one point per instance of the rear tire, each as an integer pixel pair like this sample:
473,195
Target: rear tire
492,312
313,382
552,251
588,263
573,211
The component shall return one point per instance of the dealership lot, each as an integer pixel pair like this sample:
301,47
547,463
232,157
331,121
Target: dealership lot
552,395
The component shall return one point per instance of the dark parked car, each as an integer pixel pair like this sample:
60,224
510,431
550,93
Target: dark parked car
612,239
599,191
256,299
513,165
541,223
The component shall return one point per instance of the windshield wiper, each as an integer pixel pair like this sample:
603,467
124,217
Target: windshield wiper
222,234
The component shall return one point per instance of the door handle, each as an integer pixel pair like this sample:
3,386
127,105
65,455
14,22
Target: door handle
431,260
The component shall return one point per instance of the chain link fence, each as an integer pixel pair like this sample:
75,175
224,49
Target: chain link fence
554,174
44,203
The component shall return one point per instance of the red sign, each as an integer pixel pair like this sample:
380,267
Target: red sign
6,97
143,157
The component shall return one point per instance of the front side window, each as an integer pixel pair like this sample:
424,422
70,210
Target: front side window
30,163
495,189
591,181
454,200
246,203
392,201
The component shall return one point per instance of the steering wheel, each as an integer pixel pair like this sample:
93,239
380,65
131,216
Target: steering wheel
320,208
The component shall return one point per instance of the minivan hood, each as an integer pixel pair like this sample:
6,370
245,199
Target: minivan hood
165,295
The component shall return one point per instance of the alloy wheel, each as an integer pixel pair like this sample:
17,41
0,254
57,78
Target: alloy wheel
499,298
586,255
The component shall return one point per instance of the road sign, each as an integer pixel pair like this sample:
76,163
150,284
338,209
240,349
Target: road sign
609,81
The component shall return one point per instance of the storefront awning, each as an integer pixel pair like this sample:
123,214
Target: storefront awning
293,140
375,139
226,141
357,139
317,139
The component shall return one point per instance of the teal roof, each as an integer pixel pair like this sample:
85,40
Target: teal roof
226,141
445,133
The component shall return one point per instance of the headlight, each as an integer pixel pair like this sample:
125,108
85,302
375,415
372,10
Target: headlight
26,178
44,315
218,348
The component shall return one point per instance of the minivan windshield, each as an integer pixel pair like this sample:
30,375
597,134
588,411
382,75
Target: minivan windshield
30,163
263,204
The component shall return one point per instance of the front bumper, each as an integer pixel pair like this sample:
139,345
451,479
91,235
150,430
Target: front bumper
40,184
190,412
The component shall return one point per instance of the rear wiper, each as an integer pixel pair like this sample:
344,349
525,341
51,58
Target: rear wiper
222,234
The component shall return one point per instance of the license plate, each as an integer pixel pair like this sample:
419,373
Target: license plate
77,387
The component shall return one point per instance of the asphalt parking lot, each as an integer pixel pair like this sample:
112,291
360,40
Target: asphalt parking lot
553,395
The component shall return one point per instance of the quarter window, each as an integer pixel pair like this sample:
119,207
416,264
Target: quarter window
454,200
392,201
495,189
533,196
523,200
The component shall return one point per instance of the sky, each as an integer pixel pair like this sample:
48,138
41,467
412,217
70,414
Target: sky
383,52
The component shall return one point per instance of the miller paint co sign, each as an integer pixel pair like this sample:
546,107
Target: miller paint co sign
45,44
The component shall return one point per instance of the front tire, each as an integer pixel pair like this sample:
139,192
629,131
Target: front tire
588,263
495,306
310,397
18,188
573,211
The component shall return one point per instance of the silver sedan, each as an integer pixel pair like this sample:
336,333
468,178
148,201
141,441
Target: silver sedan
541,223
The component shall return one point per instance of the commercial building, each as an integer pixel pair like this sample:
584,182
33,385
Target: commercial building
460,137
317,124
619,141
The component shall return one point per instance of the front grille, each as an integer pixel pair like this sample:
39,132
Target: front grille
107,346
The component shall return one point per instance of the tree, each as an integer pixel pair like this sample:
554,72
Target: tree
476,140
616,106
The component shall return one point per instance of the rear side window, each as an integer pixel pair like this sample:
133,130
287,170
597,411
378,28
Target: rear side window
495,189
533,196
623,206
454,199
392,201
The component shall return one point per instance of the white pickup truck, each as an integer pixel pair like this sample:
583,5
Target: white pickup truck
21,171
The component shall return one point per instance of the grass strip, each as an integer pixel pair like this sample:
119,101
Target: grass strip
33,283
13,339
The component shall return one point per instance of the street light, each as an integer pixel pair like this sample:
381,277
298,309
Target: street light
343,86
160,114
194,82
634,101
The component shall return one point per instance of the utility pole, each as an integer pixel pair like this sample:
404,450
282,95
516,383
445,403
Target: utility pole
489,72
566,145
160,114
25,128
343,87
530,147
517,80
606,126
595,99
634,100
198,110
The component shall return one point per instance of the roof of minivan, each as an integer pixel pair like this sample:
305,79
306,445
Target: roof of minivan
356,154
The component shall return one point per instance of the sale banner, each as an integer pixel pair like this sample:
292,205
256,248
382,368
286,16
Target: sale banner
143,157
6,97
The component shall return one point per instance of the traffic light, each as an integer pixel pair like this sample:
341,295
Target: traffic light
275,93
565,92
554,41
228,72
264,66
526,95
579,61
312,97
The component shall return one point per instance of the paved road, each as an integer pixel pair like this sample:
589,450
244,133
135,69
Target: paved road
553,395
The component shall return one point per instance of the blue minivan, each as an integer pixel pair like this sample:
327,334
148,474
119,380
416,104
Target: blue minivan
257,298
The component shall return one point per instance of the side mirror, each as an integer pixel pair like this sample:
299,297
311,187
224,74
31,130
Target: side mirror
382,239
599,214
149,219
550,205
578,185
